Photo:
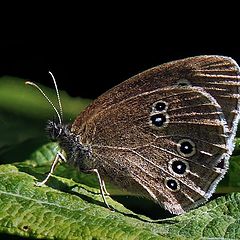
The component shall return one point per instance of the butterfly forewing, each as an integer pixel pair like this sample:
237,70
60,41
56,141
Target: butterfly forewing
218,75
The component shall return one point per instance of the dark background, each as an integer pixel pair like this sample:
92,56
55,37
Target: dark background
90,63
91,47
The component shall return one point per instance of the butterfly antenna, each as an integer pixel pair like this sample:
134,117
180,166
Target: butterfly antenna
46,97
58,95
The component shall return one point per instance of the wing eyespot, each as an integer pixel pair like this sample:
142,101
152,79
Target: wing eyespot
186,147
172,184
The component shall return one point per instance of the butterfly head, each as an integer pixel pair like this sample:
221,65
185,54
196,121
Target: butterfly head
56,131
76,152
61,133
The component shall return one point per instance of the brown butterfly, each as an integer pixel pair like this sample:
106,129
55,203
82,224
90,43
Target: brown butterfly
166,133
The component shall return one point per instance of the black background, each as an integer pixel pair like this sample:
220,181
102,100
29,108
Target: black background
91,47
94,59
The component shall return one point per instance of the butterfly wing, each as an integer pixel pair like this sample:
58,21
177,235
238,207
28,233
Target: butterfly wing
166,143
155,137
217,75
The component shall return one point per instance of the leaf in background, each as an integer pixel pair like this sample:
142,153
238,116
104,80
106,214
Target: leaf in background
23,116
231,181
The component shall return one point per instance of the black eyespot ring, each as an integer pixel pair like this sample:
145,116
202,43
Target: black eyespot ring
178,167
160,106
172,184
158,120
186,147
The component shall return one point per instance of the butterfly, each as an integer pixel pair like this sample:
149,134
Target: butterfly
165,134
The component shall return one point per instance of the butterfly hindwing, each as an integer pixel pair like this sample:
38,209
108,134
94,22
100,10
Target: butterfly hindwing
137,151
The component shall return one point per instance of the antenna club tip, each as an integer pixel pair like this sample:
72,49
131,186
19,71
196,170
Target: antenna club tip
28,83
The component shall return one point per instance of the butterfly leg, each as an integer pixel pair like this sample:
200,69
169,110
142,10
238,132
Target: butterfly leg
59,156
102,187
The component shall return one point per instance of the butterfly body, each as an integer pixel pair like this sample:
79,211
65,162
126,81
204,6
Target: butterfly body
166,134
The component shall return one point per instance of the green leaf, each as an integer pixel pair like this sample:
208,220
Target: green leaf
231,181
73,209
43,212
26,101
